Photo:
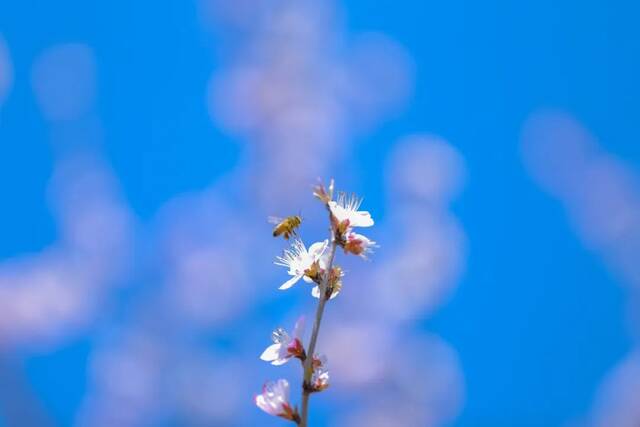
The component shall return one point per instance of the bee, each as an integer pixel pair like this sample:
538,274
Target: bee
285,226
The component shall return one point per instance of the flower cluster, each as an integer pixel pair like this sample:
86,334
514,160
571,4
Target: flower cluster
345,216
315,266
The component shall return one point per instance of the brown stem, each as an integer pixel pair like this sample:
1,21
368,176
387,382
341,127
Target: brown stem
308,363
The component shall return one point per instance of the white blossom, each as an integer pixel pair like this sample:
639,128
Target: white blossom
320,379
284,346
320,375
346,213
298,260
274,400
358,244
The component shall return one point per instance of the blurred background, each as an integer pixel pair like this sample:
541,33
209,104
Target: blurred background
143,145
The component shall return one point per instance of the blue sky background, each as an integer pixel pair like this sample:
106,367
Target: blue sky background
537,319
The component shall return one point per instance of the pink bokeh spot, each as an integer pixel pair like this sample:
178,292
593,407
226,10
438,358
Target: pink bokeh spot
64,81
6,70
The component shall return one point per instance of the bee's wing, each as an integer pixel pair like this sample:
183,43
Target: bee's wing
275,220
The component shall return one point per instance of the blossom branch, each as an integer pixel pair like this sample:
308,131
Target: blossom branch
314,265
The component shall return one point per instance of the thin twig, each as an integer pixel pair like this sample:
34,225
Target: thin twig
308,363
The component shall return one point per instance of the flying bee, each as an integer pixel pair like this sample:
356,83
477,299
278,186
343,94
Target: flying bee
285,226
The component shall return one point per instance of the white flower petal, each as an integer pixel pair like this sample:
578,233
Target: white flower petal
298,329
361,219
315,292
289,283
317,249
271,353
281,361
323,261
282,389
262,404
335,208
